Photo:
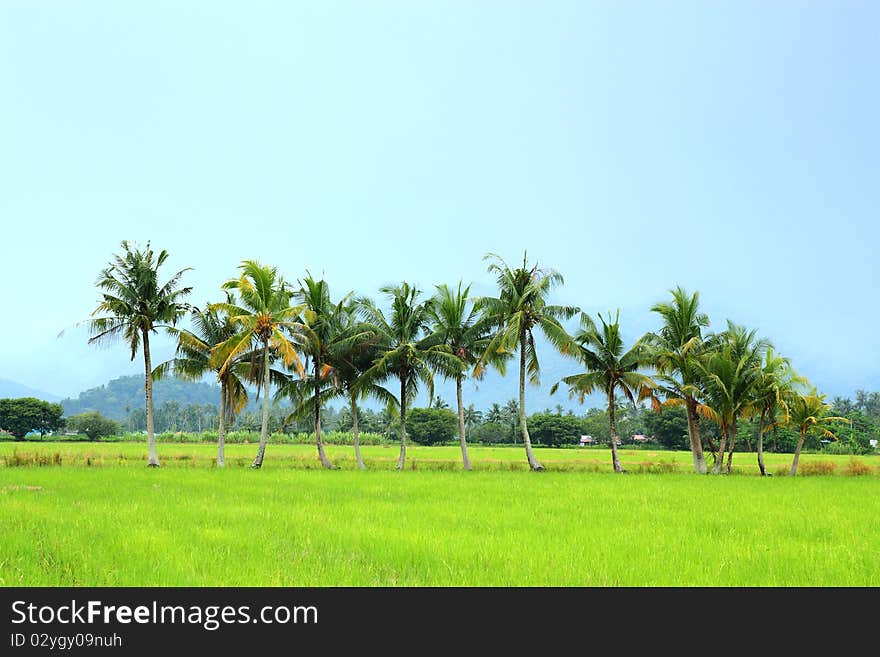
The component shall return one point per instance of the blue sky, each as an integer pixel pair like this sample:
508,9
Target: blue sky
729,147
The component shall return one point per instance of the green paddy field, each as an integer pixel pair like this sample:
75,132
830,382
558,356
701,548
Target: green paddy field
92,515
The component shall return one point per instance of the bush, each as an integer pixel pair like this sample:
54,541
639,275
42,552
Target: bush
857,468
816,468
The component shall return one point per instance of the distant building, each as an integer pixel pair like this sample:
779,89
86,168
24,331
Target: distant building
640,438
587,440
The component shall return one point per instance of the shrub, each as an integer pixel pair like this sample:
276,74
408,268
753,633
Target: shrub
856,467
817,468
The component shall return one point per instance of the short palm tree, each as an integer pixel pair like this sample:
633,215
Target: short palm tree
193,360
520,308
265,319
776,383
134,306
351,360
456,322
407,351
810,415
728,377
609,369
675,349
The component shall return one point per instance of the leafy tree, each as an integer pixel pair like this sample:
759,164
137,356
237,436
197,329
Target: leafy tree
810,415
93,424
456,322
521,307
211,328
553,430
609,369
263,315
26,414
406,351
675,349
134,306
428,426
669,427
491,432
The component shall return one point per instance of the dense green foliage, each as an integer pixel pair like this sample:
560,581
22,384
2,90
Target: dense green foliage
429,426
27,414
554,430
93,424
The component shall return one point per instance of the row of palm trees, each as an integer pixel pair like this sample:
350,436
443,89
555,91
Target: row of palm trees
310,348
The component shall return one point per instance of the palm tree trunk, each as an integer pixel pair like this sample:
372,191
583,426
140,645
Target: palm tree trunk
761,445
464,453
719,459
356,432
730,449
534,464
318,440
615,459
694,435
401,460
264,427
221,428
797,454
152,455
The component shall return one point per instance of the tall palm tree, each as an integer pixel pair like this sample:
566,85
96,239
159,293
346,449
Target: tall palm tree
264,316
135,305
809,414
406,351
320,330
456,322
211,327
675,349
609,369
776,383
521,307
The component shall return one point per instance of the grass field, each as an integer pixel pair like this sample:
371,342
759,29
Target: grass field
290,524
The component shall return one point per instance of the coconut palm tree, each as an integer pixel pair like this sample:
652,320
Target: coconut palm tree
134,306
351,360
407,351
211,328
609,369
727,380
320,329
456,323
472,417
745,346
675,349
520,308
810,415
266,319
776,383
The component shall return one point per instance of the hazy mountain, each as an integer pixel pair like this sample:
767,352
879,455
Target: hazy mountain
13,389
120,396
